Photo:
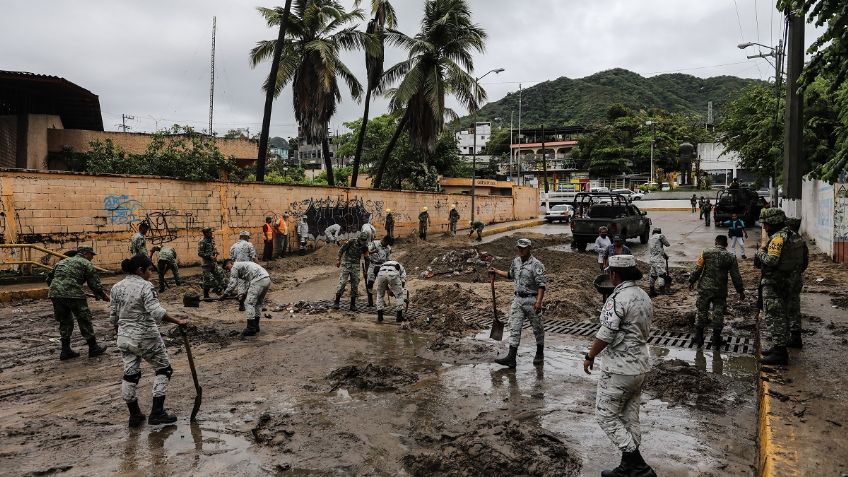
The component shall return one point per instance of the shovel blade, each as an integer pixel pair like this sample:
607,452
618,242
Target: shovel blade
497,330
197,400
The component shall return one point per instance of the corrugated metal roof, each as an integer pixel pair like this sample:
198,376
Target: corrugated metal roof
32,93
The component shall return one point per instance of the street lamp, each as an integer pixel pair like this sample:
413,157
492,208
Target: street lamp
653,140
474,146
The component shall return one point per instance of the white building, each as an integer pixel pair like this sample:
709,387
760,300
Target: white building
723,166
465,138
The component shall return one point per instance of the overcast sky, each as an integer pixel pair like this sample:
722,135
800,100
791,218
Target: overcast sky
150,59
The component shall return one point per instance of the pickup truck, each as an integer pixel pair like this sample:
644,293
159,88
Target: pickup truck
615,211
743,202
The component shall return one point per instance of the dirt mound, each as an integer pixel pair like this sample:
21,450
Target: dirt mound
571,297
840,302
273,429
199,334
672,313
371,378
677,382
306,307
325,255
444,302
496,448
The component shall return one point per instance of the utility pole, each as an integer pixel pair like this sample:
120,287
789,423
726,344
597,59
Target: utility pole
545,171
793,148
653,140
123,124
474,146
212,77
518,152
511,151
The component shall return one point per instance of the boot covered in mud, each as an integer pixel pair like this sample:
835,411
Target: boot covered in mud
67,352
509,359
779,356
379,316
399,316
540,355
336,305
632,465
205,292
652,292
353,302
256,324
241,305
717,339
136,416
795,340
370,299
158,415
698,340
95,349
250,329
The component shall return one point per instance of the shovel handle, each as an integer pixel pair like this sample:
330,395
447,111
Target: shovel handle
190,358
494,300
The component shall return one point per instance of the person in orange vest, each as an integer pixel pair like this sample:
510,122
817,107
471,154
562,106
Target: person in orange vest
268,239
281,235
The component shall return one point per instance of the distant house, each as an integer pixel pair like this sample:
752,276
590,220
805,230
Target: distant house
279,148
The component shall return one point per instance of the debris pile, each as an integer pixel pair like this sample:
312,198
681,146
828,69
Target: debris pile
445,304
372,377
307,308
200,334
457,261
677,382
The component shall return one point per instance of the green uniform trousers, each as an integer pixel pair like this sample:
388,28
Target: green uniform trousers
66,309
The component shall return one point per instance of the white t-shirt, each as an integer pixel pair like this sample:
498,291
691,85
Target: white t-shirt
601,244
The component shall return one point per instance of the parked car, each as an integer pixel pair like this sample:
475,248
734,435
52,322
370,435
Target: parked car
613,211
632,195
560,213
600,189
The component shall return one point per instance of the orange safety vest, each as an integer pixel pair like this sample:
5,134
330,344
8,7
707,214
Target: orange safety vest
267,232
282,227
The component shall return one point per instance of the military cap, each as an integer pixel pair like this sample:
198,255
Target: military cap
207,229
622,261
772,216
657,230
523,243
244,233
82,250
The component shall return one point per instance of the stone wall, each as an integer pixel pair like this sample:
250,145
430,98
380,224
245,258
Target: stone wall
61,210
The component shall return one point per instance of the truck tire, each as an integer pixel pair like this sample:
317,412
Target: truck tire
580,246
643,239
623,236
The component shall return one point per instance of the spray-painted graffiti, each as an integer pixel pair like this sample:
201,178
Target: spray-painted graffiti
123,210
840,215
163,223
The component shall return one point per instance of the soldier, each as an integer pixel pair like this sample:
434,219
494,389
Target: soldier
302,235
257,283
281,235
781,257
694,202
135,313
477,226
625,326
167,260
659,261
349,255
268,240
138,244
528,274
793,304
423,223
701,207
454,219
391,277
370,229
69,300
242,251
710,273
706,209
213,276
390,223
378,253
332,233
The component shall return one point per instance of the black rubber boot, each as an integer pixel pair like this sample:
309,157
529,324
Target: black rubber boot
67,352
352,302
250,329
717,340
778,357
379,316
509,359
795,340
632,465
241,305
336,303
399,316
158,415
136,416
652,292
162,287
256,324
540,355
370,299
95,349
698,340
205,292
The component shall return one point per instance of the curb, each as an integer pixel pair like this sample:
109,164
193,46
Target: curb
664,209
506,228
765,453
28,293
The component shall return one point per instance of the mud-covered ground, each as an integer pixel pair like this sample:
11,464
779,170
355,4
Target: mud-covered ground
332,392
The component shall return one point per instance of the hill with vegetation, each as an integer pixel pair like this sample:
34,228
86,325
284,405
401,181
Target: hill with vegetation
585,101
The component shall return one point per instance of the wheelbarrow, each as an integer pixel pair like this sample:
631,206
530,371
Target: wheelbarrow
604,286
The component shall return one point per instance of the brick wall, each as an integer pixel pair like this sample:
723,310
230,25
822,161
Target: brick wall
63,210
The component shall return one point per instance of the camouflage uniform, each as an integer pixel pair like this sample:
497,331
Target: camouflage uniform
138,245
657,259
377,256
349,255
213,274
166,260
625,326
423,223
256,280
136,311
710,273
391,276
793,301
302,230
706,209
529,277
478,226
370,230
242,251
454,219
332,233
780,261
390,225
68,298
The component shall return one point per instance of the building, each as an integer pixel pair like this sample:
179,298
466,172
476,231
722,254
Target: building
462,185
465,138
278,148
721,165
45,118
530,165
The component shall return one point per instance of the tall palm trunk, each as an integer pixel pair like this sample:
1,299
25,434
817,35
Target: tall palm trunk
360,140
401,126
328,161
269,95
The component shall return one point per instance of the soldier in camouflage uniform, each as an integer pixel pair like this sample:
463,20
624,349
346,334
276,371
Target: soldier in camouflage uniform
391,276
658,260
781,258
706,211
793,304
69,300
302,230
242,251
258,282
477,227
138,244
454,219
710,274
378,252
528,274
390,223
213,276
349,256
136,314
167,260
423,223
625,326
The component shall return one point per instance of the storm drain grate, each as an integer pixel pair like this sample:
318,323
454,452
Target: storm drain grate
483,319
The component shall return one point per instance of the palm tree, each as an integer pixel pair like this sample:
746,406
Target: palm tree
310,61
439,63
384,15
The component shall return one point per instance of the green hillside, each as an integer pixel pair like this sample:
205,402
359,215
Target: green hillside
583,101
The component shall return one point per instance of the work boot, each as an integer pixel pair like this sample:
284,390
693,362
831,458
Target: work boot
652,292
158,415
698,340
336,303
540,354
379,316
778,356
205,292
249,330
162,287
67,352
632,465
717,339
509,359
795,340
352,302
399,316
370,299
241,305
95,349
136,416
256,324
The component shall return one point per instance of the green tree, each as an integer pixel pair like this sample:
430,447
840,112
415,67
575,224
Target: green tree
310,60
440,59
235,134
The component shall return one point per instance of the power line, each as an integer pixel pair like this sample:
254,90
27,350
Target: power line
739,21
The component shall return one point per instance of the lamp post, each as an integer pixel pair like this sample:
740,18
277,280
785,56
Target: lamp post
474,146
653,140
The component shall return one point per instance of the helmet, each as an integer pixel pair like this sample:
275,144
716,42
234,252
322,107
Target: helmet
424,209
363,236
772,216
244,234
453,206
388,211
793,223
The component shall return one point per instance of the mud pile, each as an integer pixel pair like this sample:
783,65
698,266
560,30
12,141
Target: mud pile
676,382
272,429
307,308
325,255
459,350
372,377
200,334
444,304
496,448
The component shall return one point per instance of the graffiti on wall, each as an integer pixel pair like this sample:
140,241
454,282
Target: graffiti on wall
840,215
164,223
123,210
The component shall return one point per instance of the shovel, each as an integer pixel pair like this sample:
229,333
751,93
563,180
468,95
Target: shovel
497,325
197,388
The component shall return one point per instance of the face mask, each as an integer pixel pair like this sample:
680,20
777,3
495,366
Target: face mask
603,235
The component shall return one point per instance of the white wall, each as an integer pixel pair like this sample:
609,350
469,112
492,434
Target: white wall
712,159
817,213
